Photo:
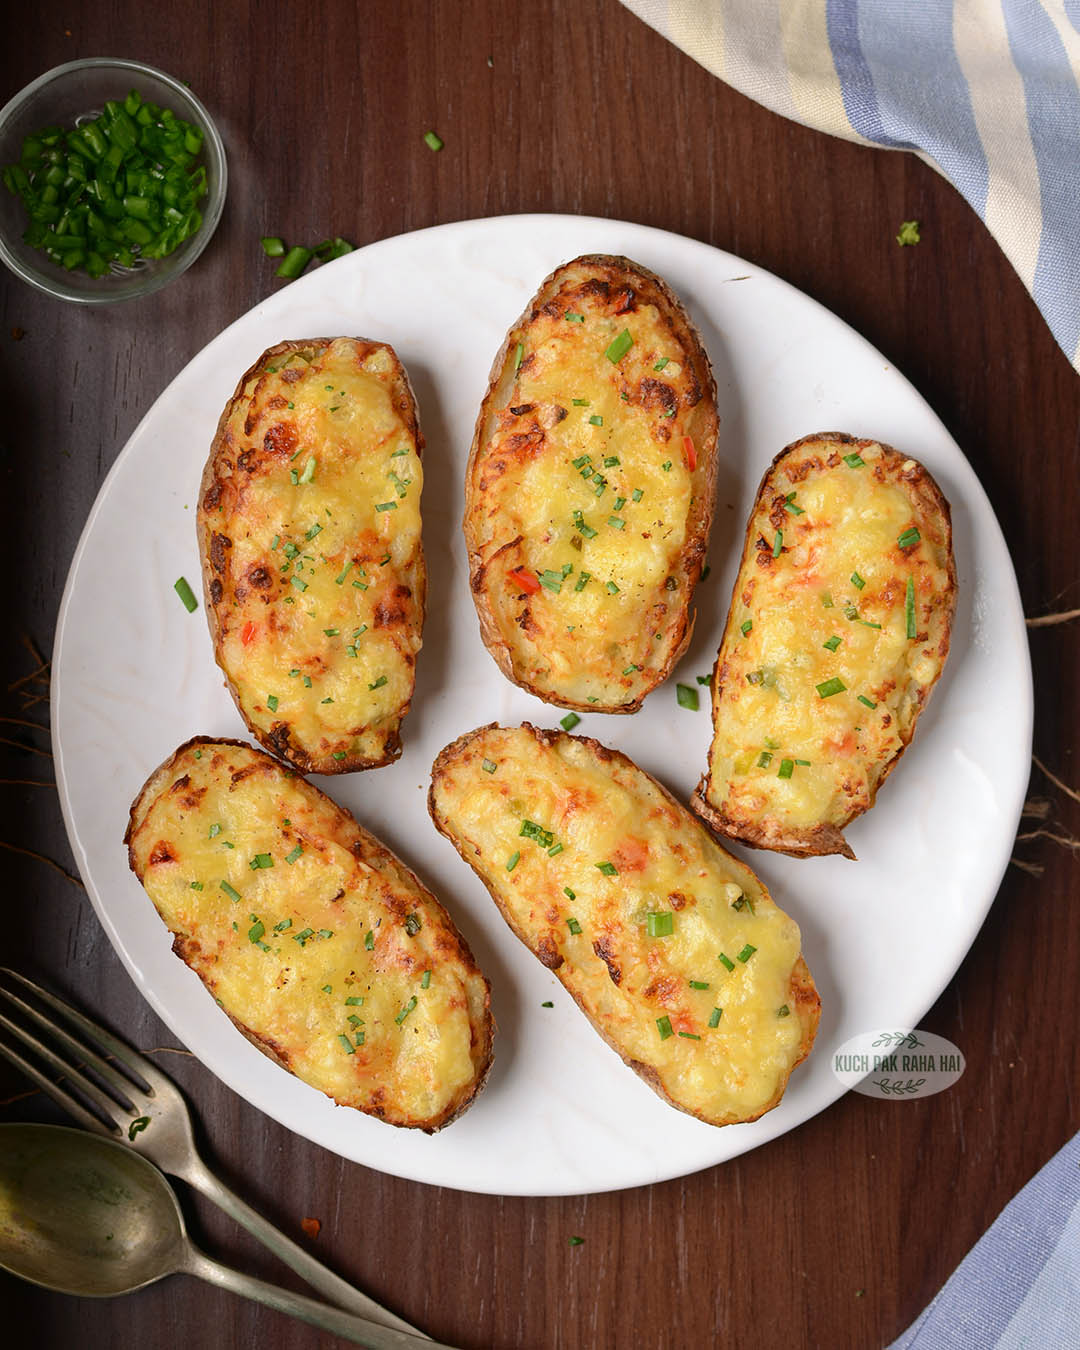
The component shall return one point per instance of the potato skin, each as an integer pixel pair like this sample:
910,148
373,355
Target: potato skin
882,522
283,944
593,649
605,846
322,670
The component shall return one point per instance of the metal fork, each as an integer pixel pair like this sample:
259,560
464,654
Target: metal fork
143,1109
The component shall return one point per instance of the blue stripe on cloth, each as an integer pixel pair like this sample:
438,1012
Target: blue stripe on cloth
1072,9
1053,109
856,82
978,1303
922,91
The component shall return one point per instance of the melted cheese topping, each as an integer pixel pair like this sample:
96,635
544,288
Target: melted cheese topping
321,951
579,849
331,520
585,483
819,694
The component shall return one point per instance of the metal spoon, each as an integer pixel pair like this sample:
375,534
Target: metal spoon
83,1215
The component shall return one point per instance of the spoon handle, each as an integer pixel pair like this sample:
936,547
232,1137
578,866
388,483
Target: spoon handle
324,1281
322,1315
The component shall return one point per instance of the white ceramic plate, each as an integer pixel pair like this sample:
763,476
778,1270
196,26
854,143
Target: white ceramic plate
134,675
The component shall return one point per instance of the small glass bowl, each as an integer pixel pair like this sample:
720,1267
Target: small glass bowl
59,97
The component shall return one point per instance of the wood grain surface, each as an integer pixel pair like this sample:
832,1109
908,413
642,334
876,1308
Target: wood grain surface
838,1233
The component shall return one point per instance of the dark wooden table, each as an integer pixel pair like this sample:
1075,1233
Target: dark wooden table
839,1233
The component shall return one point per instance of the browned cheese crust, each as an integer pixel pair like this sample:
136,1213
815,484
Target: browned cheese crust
717,1008
309,535
839,628
593,477
325,951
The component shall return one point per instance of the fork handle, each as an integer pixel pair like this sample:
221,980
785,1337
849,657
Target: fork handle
341,1323
324,1281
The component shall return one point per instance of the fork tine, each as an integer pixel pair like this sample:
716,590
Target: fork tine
153,1080
89,1089
74,1107
102,1067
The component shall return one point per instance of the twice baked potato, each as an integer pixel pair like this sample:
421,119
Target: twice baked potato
673,949
309,531
323,948
589,489
838,630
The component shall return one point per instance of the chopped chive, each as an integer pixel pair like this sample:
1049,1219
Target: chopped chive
413,924
386,506
699,984
331,632
338,754
575,1241
829,687
909,609
666,465
530,830
570,721
746,626
315,529
690,1035
778,544
186,594
519,352
261,860
573,926
746,953
548,1004
271,702
637,494
596,420
369,940
433,141
256,931
706,680
583,580
660,923
608,869
213,831
512,861
354,1001
274,543
345,572
612,589
661,363
346,1044
869,702
725,962
574,318
551,581
909,537
326,932
610,461
857,580
309,471
300,585
714,1017
619,347
764,760
831,644
686,697
783,1011
196,885
570,895
406,1010
854,461
663,1026
282,926
378,683
555,850
328,988
630,669
789,505
616,523
425,979
786,769
230,891
489,766
826,600
307,681
580,403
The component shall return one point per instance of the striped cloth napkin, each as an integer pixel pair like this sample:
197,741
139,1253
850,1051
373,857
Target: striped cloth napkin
986,91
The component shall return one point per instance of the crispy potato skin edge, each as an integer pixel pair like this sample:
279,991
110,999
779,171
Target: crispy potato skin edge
283,746
827,837
806,1002
485,1049
653,290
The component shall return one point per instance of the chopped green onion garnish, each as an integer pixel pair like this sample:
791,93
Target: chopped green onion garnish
551,581
369,940
574,1241
857,580
338,754
661,363
630,669
789,505
273,247
345,572
413,924
909,537
666,465
271,702
573,926
764,760
663,1026
778,544
231,892
786,769
608,869
282,926
406,1010
637,494
686,697
616,523
869,702
783,1011
354,1001
256,931
854,461
746,626
829,687
489,766
619,347
725,962
378,683
699,984
519,352
583,580
746,953
346,1044
831,644
612,589
186,594
548,1004
690,1035
571,895
531,830
574,318
596,420
425,979
660,923
261,860
432,141
570,721
196,885
555,850
386,506
512,861
826,600
294,262
909,609
714,1017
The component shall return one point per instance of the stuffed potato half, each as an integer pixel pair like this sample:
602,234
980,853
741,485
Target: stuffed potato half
313,571
589,489
838,630
673,949
320,945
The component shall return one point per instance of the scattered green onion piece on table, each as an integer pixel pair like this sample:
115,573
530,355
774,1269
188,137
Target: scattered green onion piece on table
294,262
570,721
273,247
186,594
686,697
433,141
